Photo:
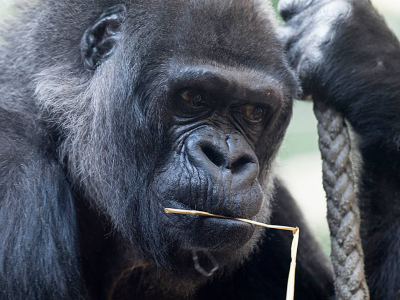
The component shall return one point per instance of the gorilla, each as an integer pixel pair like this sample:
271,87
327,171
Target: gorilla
111,111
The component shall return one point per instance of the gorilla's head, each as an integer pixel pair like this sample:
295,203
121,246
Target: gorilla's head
179,104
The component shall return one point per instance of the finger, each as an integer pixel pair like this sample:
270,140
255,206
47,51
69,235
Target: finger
286,34
335,11
289,8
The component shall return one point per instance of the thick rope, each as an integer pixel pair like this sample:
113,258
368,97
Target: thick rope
343,212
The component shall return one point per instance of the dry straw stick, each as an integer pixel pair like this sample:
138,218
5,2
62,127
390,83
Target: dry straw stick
295,243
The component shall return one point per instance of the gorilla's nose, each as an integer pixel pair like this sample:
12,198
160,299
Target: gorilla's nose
213,153
226,178
237,161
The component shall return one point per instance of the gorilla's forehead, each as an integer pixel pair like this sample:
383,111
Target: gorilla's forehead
242,31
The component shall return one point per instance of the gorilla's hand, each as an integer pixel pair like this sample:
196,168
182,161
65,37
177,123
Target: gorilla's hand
345,54
310,30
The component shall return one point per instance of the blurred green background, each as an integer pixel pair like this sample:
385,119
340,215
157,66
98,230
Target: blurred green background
299,162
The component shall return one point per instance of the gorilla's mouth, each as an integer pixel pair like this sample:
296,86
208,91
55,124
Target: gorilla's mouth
209,233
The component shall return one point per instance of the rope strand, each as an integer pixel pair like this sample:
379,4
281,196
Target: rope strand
343,212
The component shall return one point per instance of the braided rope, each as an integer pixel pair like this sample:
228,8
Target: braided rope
343,212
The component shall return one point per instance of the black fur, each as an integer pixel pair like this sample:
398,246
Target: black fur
359,75
95,141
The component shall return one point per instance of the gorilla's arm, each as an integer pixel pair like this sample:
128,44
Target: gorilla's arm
346,55
265,274
38,252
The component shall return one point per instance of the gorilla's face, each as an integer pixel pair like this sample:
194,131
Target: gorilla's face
186,106
219,119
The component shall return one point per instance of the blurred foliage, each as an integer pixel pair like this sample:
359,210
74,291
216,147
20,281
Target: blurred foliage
275,3
5,9
301,137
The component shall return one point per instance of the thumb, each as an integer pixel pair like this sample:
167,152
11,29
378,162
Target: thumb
286,34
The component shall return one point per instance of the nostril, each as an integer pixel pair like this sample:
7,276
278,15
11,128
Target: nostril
214,156
240,163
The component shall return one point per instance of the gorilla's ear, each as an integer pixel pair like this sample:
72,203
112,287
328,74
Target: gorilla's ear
99,40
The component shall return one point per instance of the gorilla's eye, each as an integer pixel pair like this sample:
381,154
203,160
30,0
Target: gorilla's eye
193,97
253,113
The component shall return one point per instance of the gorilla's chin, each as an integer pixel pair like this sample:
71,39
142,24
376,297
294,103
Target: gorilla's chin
218,243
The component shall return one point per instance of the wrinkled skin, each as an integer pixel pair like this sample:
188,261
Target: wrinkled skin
345,55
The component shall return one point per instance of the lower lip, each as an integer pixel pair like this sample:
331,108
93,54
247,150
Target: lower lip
226,226
222,234
177,205
212,223
217,234
226,222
